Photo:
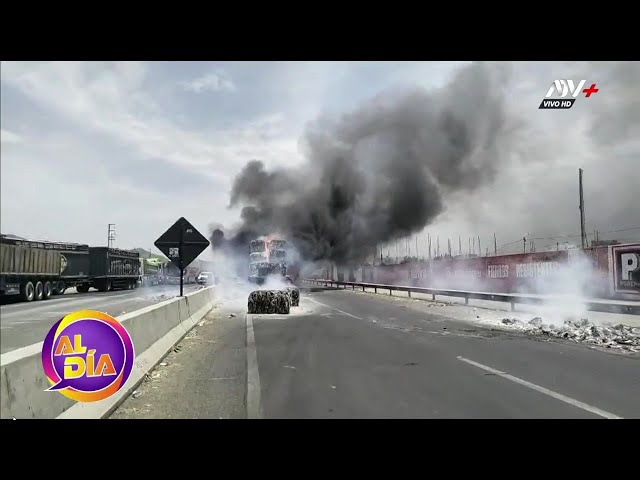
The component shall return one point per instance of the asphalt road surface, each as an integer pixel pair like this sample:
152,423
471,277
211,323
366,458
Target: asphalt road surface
23,324
346,355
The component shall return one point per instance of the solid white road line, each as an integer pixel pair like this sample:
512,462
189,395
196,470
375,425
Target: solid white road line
336,309
254,407
538,388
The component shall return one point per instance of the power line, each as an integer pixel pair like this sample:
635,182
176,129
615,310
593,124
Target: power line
519,240
579,235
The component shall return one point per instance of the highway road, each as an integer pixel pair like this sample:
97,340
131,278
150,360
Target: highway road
348,355
23,324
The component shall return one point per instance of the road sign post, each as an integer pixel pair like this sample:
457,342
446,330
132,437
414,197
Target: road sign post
181,243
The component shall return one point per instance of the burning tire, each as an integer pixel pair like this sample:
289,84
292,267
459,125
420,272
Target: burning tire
294,294
269,302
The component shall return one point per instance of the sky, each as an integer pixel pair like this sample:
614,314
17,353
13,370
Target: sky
140,144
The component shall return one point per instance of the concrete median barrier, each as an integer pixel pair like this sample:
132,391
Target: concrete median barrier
154,331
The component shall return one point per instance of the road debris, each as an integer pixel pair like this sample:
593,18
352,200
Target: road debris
201,323
232,315
620,337
136,394
163,364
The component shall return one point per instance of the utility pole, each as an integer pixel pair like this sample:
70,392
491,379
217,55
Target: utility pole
469,251
417,256
111,234
495,244
474,245
437,245
479,247
582,223
524,244
459,245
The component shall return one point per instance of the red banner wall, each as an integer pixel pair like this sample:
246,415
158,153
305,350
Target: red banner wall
542,272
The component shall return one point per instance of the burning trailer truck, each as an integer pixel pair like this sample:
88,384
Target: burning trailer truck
268,264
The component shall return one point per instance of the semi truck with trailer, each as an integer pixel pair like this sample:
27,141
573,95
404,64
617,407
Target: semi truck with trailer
268,259
36,270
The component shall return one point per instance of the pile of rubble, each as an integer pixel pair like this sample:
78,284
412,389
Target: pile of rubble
619,337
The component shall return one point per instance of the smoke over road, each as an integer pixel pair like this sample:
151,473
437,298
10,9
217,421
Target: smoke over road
380,172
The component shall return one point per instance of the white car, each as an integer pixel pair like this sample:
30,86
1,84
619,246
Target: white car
205,278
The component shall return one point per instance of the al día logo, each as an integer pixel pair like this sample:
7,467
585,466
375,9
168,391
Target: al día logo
87,356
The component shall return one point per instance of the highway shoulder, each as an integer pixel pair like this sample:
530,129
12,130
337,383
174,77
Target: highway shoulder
203,377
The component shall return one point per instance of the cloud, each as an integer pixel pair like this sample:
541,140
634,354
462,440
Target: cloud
7,137
211,82
103,145
117,142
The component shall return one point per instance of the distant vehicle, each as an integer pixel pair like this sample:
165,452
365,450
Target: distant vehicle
151,270
205,278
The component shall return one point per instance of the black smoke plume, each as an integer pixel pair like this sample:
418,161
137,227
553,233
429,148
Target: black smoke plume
380,172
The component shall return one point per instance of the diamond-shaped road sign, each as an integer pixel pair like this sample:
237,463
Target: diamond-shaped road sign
182,243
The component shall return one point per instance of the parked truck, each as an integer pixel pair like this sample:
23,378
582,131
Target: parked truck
35,270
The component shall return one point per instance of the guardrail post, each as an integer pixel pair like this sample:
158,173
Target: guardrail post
375,289
363,288
409,292
466,300
353,287
433,297
390,292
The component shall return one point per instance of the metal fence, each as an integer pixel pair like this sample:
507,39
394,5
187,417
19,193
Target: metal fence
632,308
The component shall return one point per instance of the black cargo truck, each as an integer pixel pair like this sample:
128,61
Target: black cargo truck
35,270
111,269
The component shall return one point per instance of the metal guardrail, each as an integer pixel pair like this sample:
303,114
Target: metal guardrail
512,298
